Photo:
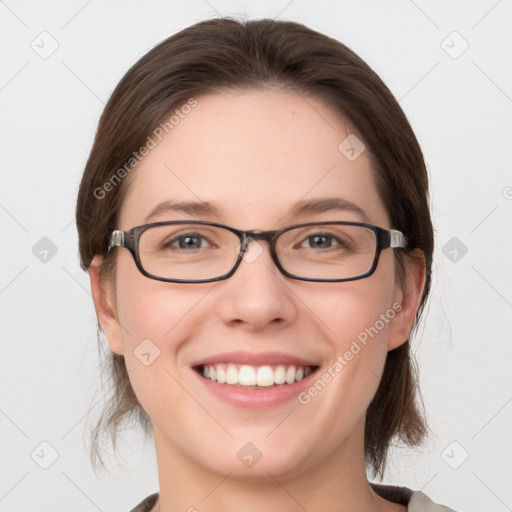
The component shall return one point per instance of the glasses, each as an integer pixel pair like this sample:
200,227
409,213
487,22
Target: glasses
201,252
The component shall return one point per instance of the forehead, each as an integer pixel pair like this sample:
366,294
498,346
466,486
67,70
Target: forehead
253,154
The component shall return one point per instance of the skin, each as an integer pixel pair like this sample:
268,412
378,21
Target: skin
254,154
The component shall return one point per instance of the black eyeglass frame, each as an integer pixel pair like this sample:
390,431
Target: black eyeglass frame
386,238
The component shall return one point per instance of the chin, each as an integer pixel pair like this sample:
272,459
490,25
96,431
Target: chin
260,459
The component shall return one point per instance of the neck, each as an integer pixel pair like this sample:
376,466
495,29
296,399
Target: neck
338,483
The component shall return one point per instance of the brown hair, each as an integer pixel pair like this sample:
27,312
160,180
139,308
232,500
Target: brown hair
227,53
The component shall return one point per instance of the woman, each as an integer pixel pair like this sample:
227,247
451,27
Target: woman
254,218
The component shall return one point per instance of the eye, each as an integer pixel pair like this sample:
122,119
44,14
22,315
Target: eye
187,241
321,241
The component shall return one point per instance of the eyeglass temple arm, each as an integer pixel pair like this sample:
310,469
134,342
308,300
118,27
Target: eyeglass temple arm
397,239
116,239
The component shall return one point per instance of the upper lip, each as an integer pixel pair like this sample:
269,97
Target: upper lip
254,359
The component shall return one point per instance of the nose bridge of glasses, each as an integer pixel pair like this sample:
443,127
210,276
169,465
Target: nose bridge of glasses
254,235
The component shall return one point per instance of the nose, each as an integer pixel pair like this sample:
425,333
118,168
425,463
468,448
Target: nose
257,295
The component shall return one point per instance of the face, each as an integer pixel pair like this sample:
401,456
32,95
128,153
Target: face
251,156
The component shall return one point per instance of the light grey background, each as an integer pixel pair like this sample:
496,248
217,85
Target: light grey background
459,105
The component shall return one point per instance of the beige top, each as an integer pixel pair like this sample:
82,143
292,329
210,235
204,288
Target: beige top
416,501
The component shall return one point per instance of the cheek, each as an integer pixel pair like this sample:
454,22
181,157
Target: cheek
345,386
358,312
356,317
154,310
151,319
157,320
358,339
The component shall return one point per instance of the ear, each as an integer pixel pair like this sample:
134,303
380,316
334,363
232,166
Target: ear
102,294
409,298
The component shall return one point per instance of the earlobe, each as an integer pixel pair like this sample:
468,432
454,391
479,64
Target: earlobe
105,308
409,298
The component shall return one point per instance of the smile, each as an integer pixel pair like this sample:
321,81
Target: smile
255,380
254,376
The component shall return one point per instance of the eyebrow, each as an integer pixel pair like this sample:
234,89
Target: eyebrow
207,210
328,204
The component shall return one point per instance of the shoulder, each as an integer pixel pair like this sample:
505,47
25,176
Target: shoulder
416,501
420,502
147,504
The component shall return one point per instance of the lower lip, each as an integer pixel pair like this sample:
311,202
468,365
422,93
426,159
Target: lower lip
256,397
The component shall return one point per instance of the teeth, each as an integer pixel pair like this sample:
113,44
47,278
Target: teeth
280,375
247,376
232,375
263,376
221,374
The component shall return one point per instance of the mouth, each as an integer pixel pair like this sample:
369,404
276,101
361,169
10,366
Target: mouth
255,380
255,377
